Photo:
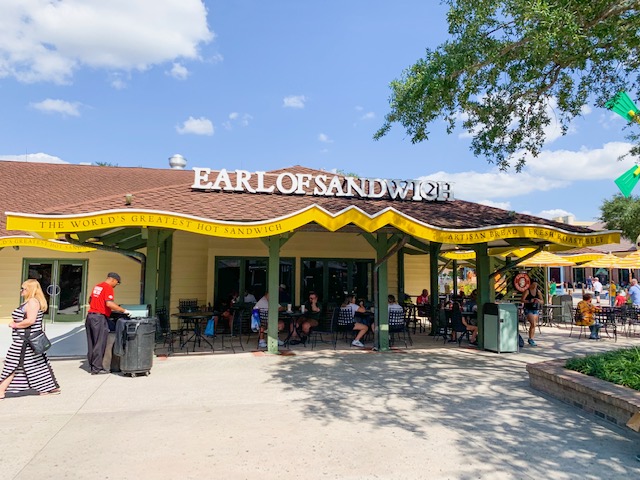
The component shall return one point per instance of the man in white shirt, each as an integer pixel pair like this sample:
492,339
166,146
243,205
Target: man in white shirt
634,292
597,289
263,304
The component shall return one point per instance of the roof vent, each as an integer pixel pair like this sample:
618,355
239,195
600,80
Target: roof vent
177,162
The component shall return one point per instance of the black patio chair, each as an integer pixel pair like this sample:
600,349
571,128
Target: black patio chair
324,332
344,325
236,330
442,328
397,327
166,333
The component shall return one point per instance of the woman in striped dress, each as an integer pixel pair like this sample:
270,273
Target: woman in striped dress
23,368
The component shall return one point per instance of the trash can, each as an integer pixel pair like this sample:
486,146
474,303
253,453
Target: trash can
500,327
135,341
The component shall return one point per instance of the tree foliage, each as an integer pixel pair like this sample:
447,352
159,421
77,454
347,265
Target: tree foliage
512,66
621,213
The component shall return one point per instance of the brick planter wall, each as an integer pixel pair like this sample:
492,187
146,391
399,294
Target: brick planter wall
614,403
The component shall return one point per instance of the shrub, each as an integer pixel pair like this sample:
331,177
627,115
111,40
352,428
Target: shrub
621,367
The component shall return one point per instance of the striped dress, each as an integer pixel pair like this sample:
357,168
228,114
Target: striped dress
35,372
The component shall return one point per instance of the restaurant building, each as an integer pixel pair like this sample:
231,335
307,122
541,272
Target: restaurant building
205,233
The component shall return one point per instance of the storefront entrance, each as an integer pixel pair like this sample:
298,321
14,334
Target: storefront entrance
63,283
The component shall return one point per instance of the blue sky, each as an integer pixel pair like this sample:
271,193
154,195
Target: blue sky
262,85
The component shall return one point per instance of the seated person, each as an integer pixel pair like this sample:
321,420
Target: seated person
392,305
460,324
359,326
224,307
310,319
249,297
263,304
585,311
621,298
423,298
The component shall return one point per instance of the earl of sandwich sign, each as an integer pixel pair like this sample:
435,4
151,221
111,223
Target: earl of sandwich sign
288,183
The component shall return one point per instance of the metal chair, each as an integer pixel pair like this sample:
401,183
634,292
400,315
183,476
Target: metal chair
577,317
397,327
344,324
325,329
236,330
442,325
165,331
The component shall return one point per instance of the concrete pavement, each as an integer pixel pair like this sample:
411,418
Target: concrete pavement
434,411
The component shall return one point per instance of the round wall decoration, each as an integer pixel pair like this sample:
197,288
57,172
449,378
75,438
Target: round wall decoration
522,282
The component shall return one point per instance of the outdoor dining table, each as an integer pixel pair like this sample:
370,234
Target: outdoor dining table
290,320
193,322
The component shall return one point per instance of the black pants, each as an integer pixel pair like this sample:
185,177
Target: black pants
97,334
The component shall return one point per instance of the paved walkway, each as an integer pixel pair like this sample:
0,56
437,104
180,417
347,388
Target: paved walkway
437,412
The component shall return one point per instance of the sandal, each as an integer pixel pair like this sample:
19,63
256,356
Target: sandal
55,391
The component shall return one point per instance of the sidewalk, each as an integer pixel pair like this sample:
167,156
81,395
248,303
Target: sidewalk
431,412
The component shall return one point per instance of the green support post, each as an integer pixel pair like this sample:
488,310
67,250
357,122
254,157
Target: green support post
483,272
151,270
273,284
434,252
382,310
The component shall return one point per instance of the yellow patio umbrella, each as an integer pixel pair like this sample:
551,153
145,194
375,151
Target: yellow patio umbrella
607,261
631,261
546,259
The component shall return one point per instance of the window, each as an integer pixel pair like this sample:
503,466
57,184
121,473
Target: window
249,275
332,279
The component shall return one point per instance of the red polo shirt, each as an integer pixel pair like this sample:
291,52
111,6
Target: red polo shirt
99,297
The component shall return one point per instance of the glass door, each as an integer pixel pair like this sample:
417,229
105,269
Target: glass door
63,283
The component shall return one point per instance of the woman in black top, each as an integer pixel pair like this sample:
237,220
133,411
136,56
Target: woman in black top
532,300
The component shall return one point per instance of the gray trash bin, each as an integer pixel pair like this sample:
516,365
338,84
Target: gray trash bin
500,327
135,341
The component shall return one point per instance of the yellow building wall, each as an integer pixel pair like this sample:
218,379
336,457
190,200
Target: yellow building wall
98,265
416,274
193,259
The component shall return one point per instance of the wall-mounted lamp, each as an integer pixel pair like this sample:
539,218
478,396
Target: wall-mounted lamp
16,247
128,199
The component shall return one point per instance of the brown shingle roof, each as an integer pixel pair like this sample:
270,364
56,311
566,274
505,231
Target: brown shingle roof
54,188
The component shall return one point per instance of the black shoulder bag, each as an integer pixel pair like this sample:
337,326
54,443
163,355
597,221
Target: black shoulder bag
38,341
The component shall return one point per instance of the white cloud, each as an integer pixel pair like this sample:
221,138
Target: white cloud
32,158
324,138
368,116
41,40
236,118
294,101
490,203
62,107
179,71
554,213
584,164
551,170
490,186
196,126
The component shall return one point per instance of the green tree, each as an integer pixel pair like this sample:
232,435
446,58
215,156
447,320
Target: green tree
621,213
513,66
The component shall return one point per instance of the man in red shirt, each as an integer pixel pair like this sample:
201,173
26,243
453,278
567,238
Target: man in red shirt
101,304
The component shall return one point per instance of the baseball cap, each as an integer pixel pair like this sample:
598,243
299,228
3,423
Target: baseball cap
114,275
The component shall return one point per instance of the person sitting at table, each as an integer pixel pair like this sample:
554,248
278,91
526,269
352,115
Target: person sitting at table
460,324
423,298
263,304
224,307
621,298
585,316
310,319
359,325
